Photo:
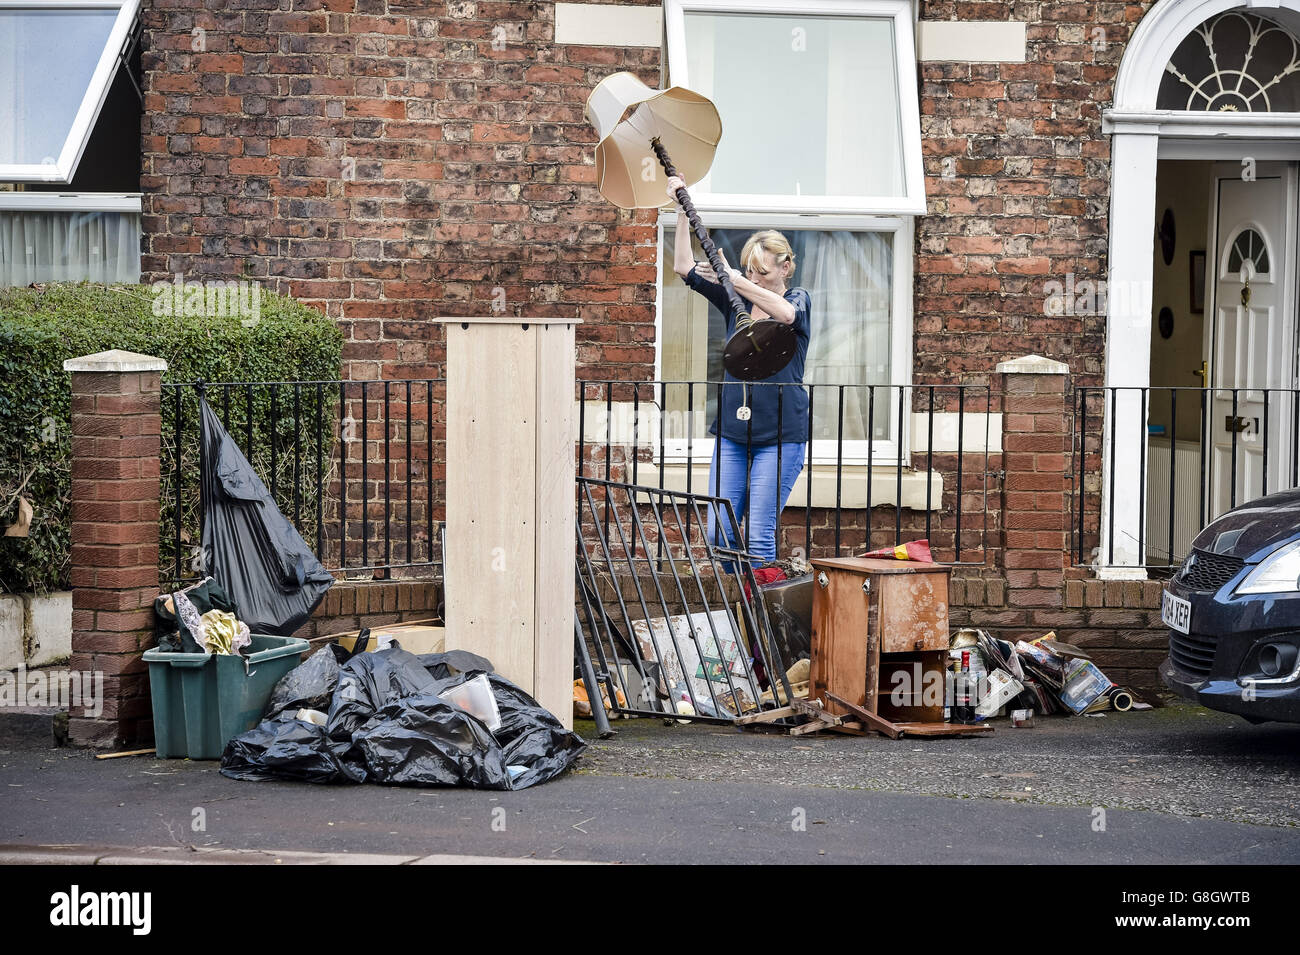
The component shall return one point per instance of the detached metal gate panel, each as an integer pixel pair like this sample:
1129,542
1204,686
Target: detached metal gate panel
666,609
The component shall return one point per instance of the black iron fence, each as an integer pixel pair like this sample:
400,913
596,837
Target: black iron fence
356,466
885,463
1152,466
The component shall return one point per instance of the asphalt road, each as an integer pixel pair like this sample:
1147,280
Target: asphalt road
1180,785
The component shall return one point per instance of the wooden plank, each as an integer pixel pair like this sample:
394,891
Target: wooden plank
554,521
767,716
868,718
814,708
840,639
851,729
944,729
126,752
491,484
816,726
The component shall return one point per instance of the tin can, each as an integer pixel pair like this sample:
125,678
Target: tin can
1022,718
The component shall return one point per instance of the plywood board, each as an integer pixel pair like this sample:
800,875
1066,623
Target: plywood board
554,520
491,487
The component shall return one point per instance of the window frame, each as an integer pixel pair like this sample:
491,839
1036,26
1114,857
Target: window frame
72,202
92,101
913,200
122,202
882,453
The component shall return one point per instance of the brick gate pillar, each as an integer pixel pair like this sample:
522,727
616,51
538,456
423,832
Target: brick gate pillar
1036,488
116,424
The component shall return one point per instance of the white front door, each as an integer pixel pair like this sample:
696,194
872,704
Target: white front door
1251,272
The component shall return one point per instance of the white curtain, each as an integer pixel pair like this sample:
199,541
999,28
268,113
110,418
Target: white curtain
850,278
69,247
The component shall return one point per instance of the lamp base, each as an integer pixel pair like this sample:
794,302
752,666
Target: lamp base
759,350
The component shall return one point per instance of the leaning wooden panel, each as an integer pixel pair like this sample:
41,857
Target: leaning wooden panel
555,517
842,641
491,487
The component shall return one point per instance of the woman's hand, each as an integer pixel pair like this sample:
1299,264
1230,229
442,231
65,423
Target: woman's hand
675,183
705,271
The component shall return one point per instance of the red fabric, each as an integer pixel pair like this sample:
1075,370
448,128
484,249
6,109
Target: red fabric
764,576
912,550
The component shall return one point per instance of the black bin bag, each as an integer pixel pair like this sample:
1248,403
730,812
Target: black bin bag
389,723
251,549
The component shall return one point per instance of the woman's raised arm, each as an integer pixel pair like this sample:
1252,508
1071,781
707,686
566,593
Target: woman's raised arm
683,259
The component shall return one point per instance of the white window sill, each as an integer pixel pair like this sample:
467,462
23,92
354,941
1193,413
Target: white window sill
852,490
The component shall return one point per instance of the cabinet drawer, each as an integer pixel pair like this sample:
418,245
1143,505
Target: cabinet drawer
913,612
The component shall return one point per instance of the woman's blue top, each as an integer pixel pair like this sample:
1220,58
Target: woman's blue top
761,397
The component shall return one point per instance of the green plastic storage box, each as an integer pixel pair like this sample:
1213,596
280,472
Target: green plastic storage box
201,701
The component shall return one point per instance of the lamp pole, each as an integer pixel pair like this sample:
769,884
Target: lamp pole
743,318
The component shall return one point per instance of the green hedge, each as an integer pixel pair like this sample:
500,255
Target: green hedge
41,327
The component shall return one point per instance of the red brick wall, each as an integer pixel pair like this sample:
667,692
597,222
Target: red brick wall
391,162
1018,179
352,604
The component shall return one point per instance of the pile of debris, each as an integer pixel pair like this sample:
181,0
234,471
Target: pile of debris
986,678
1051,677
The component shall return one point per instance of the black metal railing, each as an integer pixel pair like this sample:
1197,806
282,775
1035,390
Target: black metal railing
867,443
356,467
1193,453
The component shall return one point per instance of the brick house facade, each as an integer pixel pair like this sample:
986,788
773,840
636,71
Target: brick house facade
389,162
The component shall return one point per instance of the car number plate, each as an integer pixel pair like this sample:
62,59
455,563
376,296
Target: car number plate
1176,612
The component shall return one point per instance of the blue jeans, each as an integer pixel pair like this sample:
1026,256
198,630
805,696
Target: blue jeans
759,504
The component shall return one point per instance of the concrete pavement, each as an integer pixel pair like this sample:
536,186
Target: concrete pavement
1174,786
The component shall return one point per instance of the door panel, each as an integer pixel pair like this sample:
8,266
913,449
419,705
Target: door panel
1252,352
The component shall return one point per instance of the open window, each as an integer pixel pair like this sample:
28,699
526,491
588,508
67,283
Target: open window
70,112
58,60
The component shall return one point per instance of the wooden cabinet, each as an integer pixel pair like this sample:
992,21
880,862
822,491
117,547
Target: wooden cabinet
864,607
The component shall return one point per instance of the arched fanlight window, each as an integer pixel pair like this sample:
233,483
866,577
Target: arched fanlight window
1248,249
1234,62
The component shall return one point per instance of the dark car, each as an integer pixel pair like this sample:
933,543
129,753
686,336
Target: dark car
1233,610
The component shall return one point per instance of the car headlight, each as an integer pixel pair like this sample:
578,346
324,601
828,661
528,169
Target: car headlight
1278,573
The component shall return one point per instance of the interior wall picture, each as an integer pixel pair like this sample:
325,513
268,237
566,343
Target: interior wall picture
1196,271
1167,234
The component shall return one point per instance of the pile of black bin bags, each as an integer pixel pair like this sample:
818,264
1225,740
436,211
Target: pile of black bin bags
388,724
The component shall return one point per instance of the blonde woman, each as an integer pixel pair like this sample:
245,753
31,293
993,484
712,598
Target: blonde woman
762,427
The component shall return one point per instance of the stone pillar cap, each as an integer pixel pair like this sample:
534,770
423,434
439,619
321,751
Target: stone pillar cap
115,361
1032,365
